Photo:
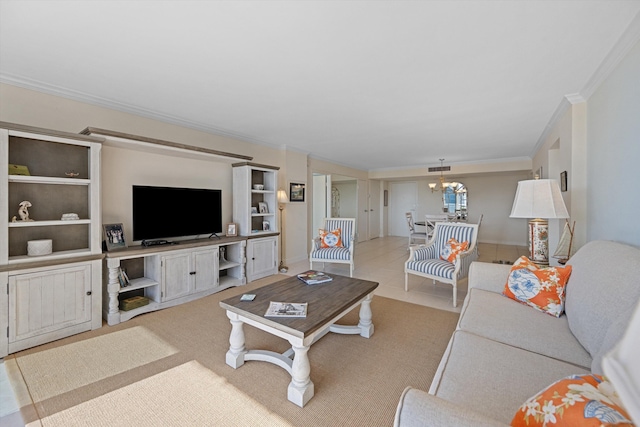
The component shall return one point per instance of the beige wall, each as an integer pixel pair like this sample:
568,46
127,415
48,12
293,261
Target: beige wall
613,146
597,143
123,168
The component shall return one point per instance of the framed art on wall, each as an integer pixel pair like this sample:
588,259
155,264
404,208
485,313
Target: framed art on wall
296,192
563,181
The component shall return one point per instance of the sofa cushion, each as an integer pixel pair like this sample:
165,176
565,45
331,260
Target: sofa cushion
578,400
434,267
341,254
601,293
542,288
493,316
493,378
418,409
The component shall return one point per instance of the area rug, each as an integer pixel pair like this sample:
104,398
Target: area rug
168,368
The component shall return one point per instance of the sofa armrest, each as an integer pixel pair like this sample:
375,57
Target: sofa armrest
418,408
488,276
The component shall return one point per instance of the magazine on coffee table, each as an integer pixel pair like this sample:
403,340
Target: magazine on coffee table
312,277
286,309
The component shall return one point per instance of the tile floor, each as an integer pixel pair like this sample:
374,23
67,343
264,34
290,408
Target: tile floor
381,260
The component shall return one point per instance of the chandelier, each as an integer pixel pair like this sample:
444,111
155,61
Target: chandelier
443,184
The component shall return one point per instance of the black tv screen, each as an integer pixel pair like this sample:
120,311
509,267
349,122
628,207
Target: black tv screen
165,212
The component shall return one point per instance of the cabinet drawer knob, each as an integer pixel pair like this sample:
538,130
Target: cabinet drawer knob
89,293
192,273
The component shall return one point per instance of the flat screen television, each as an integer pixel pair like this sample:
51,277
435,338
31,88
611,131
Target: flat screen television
165,212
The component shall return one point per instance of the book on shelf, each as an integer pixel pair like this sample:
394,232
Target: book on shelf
286,309
123,278
312,277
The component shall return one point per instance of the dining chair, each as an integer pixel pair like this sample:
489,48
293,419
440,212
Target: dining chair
413,234
430,222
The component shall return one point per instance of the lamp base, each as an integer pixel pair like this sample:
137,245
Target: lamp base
283,268
539,241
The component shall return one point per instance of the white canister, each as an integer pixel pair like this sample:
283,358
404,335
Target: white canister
39,247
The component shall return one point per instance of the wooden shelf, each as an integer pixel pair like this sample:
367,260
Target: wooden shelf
158,146
138,283
19,224
228,264
53,255
48,180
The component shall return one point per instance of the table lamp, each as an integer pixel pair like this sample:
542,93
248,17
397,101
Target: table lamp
539,199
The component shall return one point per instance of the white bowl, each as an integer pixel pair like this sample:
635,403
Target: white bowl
258,187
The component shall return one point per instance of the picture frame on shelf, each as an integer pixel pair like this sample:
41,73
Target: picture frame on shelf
232,229
263,208
266,226
114,236
296,192
254,210
563,181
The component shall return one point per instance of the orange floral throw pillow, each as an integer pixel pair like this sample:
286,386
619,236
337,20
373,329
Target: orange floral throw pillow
331,239
578,400
451,249
540,288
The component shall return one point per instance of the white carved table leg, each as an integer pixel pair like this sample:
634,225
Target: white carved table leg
301,388
237,350
366,323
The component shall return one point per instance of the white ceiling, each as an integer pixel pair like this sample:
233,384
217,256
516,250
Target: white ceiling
368,84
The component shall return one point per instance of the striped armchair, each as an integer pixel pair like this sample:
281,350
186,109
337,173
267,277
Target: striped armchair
343,255
425,260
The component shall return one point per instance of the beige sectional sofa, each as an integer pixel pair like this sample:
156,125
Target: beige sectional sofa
504,352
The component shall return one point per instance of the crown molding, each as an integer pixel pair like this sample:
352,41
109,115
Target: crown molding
74,95
620,49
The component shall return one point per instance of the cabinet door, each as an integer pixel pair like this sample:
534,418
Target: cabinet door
176,276
262,255
206,267
44,302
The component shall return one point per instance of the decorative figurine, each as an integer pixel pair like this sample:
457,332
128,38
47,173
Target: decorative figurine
23,212
72,174
13,219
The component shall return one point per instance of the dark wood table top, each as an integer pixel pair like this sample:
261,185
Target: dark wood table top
325,301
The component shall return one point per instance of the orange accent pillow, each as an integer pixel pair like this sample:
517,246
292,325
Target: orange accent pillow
540,288
451,249
578,400
331,239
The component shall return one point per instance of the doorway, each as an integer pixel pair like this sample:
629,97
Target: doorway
403,198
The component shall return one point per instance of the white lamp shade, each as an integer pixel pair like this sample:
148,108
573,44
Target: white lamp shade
539,198
282,197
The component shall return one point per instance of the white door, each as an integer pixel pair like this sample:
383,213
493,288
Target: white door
374,209
262,256
362,220
403,198
45,302
176,276
205,266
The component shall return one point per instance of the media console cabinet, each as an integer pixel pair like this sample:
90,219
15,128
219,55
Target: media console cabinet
172,274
